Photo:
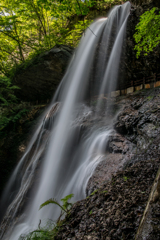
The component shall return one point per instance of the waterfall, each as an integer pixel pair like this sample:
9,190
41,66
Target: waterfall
64,153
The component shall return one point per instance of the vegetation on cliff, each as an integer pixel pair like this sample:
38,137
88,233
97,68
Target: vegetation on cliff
147,34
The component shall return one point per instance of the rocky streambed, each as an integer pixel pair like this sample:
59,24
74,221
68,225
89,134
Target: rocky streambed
119,189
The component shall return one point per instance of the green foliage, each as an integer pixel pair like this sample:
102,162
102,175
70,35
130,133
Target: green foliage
94,192
9,113
51,200
49,231
105,191
32,26
125,178
147,35
29,27
149,98
37,235
64,207
46,233
7,96
9,117
90,212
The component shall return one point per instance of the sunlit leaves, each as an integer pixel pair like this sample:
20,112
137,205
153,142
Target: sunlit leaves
28,27
147,35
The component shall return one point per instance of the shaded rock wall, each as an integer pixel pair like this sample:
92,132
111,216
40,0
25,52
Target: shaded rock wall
133,69
156,3
40,79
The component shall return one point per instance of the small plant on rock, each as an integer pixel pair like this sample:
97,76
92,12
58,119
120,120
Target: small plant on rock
125,178
49,232
65,207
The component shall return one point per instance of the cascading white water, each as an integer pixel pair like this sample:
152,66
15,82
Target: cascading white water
63,158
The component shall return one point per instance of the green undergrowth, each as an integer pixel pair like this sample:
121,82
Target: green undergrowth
16,123
10,109
94,192
46,233
16,114
52,227
10,116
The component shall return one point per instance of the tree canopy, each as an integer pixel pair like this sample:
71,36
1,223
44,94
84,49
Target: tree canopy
147,35
28,27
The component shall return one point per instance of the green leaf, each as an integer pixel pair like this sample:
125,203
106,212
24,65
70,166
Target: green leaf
51,200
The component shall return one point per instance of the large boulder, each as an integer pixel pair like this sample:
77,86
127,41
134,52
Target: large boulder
40,79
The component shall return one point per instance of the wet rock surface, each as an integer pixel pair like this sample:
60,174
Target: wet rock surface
113,211
114,160
120,186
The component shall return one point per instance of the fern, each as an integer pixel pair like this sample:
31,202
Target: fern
38,234
66,205
50,232
11,117
54,201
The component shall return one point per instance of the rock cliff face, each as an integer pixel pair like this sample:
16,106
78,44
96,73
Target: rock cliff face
40,79
135,136
120,186
133,69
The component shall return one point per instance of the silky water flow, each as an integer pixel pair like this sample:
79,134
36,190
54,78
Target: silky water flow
63,154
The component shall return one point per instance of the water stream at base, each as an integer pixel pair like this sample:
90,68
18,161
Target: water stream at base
61,156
